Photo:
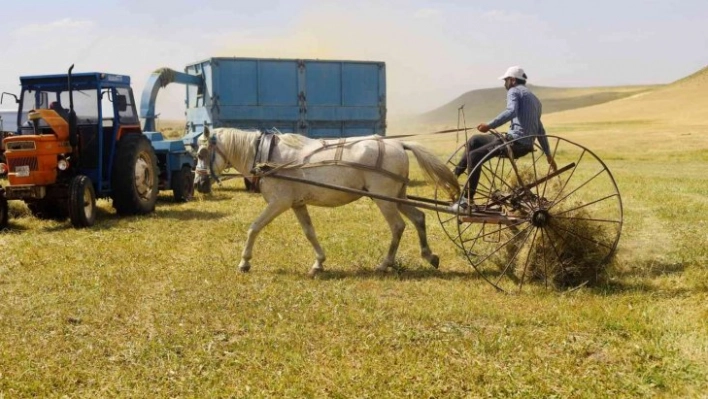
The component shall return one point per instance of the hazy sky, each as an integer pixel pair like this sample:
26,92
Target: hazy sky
434,50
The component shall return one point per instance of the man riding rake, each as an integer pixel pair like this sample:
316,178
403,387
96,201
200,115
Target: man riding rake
523,109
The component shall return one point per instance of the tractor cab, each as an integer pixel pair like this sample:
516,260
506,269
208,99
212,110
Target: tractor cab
75,133
103,109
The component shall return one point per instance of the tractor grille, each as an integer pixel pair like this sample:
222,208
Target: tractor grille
21,146
13,163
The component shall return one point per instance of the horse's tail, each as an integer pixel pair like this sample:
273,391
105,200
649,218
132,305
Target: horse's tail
434,169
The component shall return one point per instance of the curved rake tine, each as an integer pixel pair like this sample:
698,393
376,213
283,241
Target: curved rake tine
450,219
501,178
545,262
548,171
587,204
577,164
587,219
513,258
486,172
498,231
526,264
578,188
583,237
500,247
555,250
535,177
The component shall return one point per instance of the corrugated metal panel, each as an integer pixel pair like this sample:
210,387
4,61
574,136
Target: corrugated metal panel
319,98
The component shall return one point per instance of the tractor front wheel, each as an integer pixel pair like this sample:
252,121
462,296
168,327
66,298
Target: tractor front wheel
135,176
183,184
82,202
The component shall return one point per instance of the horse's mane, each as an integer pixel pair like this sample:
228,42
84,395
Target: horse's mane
238,143
292,140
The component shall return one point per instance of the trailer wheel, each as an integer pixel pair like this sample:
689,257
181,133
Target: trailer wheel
3,212
82,202
183,184
135,176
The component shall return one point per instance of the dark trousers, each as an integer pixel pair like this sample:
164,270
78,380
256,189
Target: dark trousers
478,146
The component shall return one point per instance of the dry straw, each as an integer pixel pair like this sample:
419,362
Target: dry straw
571,250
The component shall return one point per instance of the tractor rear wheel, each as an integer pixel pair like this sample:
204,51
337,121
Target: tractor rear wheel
82,202
183,184
3,212
135,176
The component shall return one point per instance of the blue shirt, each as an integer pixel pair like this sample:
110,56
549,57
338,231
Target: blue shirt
523,109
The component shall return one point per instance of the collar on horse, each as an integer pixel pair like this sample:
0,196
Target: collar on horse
265,143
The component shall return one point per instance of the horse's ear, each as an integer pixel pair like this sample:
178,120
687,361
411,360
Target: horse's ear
206,132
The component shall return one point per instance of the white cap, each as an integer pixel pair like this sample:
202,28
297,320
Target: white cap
514,72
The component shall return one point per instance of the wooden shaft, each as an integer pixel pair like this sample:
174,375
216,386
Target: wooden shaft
417,204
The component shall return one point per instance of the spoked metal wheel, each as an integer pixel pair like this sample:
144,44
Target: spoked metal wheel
532,223
449,221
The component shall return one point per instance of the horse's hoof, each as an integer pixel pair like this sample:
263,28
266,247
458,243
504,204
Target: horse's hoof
244,268
434,261
381,269
314,272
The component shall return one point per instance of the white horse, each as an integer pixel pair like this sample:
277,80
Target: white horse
371,164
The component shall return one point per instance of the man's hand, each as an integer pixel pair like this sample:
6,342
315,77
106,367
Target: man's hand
552,163
483,127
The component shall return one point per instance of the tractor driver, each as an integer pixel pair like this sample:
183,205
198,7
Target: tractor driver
523,109
54,105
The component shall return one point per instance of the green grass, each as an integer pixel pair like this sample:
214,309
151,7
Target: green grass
154,306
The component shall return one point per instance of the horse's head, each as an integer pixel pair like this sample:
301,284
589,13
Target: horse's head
210,162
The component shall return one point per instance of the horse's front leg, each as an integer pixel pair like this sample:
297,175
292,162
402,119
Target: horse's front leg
269,213
304,218
397,226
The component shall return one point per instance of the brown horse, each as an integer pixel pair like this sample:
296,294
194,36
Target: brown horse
369,163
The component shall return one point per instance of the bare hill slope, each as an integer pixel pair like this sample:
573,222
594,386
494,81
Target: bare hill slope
683,103
485,104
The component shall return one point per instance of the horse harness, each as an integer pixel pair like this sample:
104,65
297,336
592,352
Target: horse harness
265,143
262,166
213,151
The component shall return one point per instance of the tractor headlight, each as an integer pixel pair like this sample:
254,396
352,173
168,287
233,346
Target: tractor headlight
63,164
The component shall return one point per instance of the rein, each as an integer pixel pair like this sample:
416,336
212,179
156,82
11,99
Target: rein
263,167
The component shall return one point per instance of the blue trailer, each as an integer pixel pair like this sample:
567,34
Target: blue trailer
316,98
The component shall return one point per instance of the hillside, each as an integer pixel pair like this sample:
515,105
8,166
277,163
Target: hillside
683,102
485,104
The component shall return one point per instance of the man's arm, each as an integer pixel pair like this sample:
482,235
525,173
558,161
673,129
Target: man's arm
543,140
512,104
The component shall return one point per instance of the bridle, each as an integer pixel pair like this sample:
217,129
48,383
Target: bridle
213,149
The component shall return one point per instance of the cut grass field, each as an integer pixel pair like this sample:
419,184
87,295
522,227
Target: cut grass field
154,306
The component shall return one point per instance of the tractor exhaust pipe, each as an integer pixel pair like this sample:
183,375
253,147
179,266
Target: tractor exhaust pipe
73,139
